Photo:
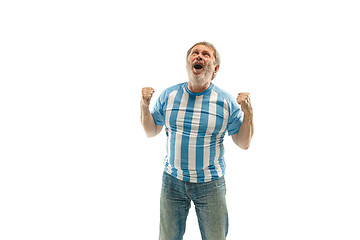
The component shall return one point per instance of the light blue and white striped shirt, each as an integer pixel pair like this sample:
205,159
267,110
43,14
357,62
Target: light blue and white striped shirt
195,125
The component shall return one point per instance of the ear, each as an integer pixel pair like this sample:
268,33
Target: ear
215,71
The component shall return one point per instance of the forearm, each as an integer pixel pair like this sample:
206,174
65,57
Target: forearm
148,123
245,133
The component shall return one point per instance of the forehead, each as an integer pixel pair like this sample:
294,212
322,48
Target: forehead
202,48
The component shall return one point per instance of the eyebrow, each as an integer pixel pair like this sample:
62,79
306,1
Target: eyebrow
197,50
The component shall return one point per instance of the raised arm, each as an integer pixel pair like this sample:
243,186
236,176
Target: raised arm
146,118
243,137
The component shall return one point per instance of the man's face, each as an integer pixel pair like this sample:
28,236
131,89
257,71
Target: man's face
200,63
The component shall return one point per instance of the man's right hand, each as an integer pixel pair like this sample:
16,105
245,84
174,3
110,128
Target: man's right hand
146,118
147,93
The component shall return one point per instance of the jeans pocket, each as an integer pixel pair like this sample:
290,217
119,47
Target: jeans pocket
220,183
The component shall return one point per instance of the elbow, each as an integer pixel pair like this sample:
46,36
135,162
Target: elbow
241,142
245,147
153,132
150,135
245,143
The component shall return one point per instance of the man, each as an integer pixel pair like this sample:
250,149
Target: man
196,115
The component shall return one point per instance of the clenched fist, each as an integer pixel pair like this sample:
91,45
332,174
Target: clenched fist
147,93
244,100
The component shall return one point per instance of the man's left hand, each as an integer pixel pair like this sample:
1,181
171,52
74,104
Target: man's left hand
244,100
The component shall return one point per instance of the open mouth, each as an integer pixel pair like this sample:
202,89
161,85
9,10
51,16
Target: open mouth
198,66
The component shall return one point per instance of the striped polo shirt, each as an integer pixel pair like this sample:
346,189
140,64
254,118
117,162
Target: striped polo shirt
195,125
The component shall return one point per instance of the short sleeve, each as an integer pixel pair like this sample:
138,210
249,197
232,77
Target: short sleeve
158,111
236,117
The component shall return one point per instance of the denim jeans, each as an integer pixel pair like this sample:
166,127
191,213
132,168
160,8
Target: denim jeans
209,202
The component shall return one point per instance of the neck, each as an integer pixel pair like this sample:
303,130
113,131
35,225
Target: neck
197,87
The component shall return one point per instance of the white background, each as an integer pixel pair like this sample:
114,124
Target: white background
75,163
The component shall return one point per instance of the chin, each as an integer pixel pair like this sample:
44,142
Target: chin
201,78
197,77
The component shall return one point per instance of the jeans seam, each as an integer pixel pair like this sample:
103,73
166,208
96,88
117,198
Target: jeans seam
186,189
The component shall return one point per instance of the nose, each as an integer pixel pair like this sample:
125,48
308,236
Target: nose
198,57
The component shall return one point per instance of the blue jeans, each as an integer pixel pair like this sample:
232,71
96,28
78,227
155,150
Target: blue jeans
210,206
